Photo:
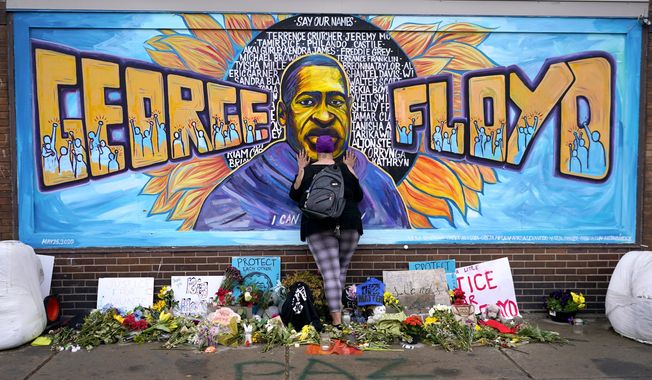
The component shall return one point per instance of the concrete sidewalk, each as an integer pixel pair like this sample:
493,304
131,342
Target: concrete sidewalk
598,353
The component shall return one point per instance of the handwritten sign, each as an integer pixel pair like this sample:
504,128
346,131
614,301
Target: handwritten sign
194,293
370,292
47,263
418,291
263,271
125,293
489,283
447,265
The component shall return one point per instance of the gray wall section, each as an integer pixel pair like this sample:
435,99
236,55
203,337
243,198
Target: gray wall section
577,8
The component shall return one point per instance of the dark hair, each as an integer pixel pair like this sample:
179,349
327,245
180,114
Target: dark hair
290,76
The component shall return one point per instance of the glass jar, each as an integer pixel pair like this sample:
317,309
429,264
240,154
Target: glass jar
346,317
578,326
325,341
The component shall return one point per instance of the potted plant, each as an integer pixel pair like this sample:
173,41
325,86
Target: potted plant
562,305
413,326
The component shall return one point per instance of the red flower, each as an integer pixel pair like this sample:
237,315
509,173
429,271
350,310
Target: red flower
458,297
132,324
413,320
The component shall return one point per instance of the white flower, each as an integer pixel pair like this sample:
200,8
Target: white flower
247,296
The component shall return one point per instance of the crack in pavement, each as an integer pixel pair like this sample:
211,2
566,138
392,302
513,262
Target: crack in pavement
41,365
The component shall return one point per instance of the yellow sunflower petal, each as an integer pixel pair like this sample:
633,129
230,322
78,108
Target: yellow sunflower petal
156,44
436,179
206,28
463,32
426,66
197,173
190,204
469,174
262,21
166,59
155,185
472,199
383,22
164,204
464,57
239,28
199,56
167,31
488,174
417,220
414,38
424,203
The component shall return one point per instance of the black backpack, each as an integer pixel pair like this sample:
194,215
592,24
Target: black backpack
325,197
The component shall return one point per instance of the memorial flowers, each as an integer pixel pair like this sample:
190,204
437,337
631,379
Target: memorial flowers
565,301
413,326
232,278
392,302
224,297
166,294
250,296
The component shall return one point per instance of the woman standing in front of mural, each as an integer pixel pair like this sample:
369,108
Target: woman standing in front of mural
332,241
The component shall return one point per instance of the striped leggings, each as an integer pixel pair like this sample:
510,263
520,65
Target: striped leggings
333,255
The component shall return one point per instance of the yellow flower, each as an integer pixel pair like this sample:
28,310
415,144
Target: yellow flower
164,290
477,328
578,299
118,318
160,305
305,331
164,316
431,321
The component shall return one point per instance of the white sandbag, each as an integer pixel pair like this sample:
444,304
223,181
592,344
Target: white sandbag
22,314
629,297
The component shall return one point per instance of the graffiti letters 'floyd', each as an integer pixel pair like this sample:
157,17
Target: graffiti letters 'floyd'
190,132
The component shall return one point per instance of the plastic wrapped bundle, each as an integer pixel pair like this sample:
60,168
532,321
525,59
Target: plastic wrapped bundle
22,314
629,297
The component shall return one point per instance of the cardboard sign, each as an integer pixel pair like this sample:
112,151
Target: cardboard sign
194,293
447,265
489,283
263,271
125,293
370,292
418,291
47,263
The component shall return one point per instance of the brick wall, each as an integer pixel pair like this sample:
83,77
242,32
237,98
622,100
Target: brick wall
7,216
536,269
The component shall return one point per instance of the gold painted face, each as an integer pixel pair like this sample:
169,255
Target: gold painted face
319,107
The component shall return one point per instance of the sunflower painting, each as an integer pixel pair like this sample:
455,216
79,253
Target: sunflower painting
431,187
463,129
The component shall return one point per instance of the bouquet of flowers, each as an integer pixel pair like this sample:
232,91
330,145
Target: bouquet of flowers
224,297
232,278
413,326
458,297
565,301
250,295
391,302
442,329
166,299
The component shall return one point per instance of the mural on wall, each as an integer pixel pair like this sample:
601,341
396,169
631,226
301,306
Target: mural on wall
148,130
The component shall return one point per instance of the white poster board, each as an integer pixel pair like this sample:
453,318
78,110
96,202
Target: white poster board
194,293
418,291
47,263
489,283
125,293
